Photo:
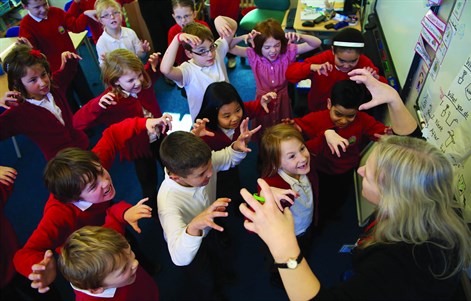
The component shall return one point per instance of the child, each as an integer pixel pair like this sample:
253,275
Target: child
206,64
130,93
225,110
81,192
78,7
330,66
35,109
183,13
46,28
271,52
337,135
114,35
187,206
286,164
100,265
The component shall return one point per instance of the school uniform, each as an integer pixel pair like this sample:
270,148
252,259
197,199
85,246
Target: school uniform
336,174
61,219
195,79
127,40
321,85
77,8
50,133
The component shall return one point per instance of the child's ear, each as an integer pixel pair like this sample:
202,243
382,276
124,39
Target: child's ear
97,290
173,176
329,104
189,54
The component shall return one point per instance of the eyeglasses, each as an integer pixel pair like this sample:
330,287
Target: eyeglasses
186,17
212,48
108,16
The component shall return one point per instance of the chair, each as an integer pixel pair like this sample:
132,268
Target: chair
275,9
12,32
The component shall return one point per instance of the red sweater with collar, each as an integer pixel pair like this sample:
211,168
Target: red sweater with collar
77,8
172,32
9,243
61,219
315,124
50,36
321,85
220,140
277,181
40,125
91,114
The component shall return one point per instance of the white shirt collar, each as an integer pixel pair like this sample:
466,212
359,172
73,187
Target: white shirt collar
35,18
82,205
48,97
303,179
107,293
229,132
127,94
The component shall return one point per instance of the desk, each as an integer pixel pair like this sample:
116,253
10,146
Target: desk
318,30
6,44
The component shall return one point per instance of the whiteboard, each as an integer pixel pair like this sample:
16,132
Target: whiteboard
445,101
400,23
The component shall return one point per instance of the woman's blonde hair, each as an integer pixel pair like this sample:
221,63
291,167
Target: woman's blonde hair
118,62
417,205
270,147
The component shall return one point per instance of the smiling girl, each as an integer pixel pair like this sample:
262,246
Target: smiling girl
271,52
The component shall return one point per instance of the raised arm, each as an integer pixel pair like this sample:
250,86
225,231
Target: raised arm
166,65
402,121
226,28
309,42
276,229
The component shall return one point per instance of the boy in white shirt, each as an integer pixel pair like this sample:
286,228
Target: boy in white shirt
206,59
187,206
115,36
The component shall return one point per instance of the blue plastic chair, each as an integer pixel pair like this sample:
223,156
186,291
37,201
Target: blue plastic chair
12,32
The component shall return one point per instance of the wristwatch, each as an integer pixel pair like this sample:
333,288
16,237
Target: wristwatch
292,263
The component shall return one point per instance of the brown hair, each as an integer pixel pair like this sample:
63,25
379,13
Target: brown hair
269,28
16,63
90,254
270,146
68,173
199,30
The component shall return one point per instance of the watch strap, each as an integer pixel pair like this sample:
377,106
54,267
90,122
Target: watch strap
286,266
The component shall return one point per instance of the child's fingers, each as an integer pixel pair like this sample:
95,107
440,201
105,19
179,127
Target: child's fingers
142,201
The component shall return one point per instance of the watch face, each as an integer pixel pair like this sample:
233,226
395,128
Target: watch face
292,264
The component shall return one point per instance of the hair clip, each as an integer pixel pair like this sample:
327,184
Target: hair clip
35,53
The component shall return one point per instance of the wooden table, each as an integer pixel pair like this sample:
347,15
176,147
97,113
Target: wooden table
318,30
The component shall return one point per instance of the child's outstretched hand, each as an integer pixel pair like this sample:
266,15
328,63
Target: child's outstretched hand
10,99
91,13
293,37
154,60
245,134
372,71
165,122
145,45
66,56
265,100
335,142
283,197
223,27
322,69
43,273
250,37
24,41
7,175
107,100
188,39
199,128
136,212
206,218
291,122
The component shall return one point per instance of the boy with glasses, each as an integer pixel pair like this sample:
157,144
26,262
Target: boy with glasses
114,35
206,59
